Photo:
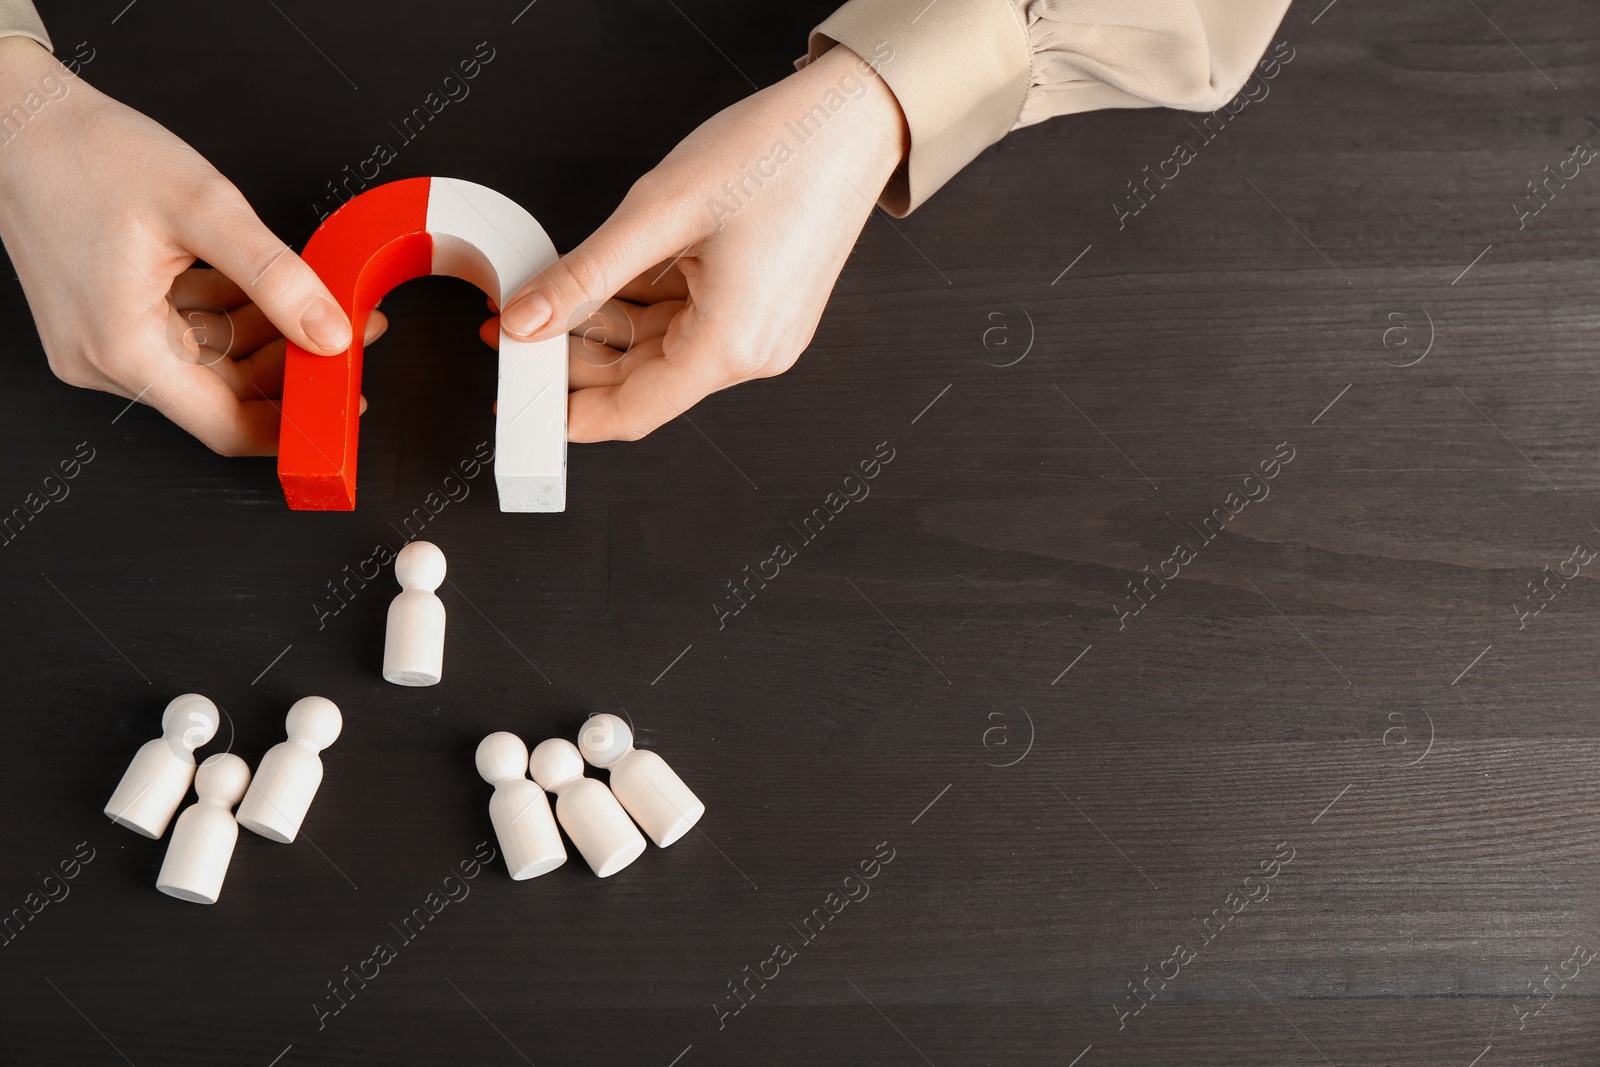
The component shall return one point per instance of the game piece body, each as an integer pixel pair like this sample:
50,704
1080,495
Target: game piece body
519,809
159,776
378,239
590,815
203,839
290,772
413,645
641,780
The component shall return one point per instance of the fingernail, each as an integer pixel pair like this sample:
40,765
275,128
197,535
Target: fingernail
326,326
522,317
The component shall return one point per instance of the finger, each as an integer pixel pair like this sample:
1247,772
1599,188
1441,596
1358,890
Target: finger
615,327
653,320
589,365
655,392
222,229
197,399
201,287
234,334
259,377
609,325
263,373
621,325
634,238
664,281
377,326
592,364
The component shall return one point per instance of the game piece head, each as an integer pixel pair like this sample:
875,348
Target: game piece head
501,756
420,565
315,721
222,779
554,763
192,719
604,739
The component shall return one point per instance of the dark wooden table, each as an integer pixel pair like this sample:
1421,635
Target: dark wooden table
1325,798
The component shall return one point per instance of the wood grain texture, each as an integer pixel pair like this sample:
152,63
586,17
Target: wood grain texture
942,668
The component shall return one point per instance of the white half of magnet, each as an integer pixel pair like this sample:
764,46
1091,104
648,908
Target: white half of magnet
490,240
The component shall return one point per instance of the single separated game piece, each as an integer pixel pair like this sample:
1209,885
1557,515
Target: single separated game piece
413,644
519,809
202,841
290,772
650,790
588,812
159,777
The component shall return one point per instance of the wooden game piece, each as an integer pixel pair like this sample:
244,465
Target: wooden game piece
641,780
519,809
287,780
158,779
202,841
589,814
387,235
413,645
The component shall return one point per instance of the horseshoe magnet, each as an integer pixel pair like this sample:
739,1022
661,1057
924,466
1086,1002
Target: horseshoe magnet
390,234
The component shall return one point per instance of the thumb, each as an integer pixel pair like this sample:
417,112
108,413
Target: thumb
226,233
565,293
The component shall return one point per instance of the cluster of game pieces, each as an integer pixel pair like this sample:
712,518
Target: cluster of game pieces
273,803
595,817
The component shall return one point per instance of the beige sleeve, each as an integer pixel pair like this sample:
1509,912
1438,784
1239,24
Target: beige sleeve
967,72
19,19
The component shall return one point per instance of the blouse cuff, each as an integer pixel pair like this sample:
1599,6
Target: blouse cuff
19,19
960,70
